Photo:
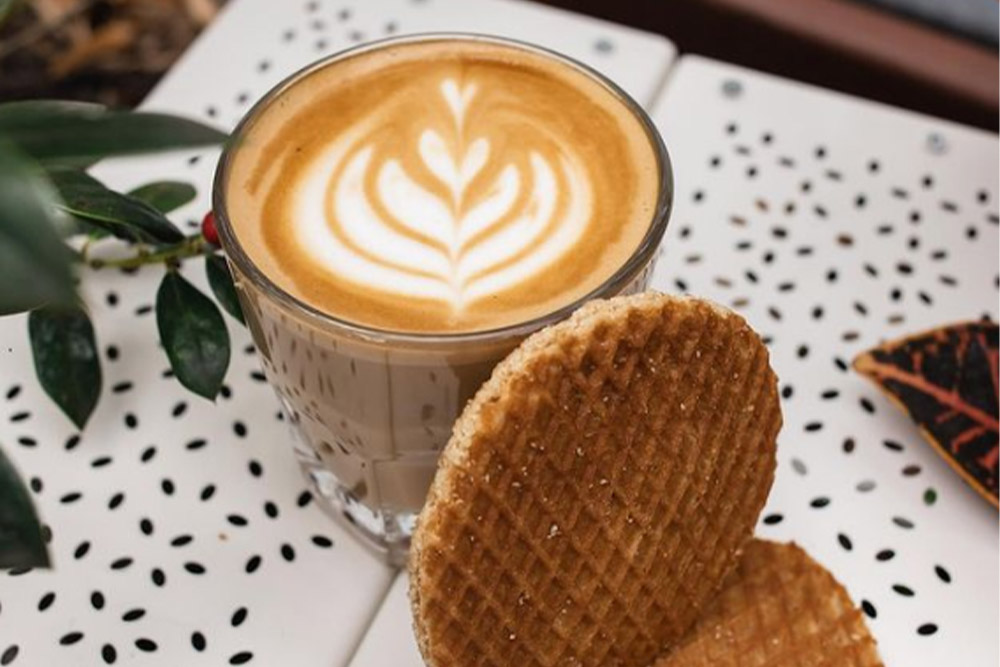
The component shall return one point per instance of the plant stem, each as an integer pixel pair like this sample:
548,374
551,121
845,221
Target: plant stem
189,247
85,250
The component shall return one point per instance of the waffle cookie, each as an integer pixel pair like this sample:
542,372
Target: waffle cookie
780,608
597,489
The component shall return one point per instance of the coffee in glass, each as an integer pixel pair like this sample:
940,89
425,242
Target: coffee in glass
400,216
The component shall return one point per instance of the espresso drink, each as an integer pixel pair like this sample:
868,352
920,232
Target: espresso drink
444,187
400,217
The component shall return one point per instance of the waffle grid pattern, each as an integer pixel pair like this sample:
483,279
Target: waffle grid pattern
779,608
597,489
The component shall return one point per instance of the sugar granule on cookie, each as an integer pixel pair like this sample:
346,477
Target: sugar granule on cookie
779,608
598,488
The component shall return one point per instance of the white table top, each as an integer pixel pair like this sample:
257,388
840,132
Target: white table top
306,604
731,238
743,144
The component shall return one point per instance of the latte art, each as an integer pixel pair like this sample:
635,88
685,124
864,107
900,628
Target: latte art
447,190
364,217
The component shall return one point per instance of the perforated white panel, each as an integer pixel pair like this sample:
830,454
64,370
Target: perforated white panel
833,223
259,42
181,532
389,640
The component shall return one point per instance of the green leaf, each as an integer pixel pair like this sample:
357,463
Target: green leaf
221,282
21,542
194,335
123,216
34,263
79,134
165,196
66,359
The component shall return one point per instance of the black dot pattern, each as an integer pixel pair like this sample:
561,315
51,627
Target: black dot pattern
142,509
826,241
829,245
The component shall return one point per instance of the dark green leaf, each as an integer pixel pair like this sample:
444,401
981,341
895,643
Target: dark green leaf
34,263
79,134
194,335
66,359
126,217
165,196
92,231
221,282
21,543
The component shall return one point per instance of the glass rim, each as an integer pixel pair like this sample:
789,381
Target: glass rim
617,281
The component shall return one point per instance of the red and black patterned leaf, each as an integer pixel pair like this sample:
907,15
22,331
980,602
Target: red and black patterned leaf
946,379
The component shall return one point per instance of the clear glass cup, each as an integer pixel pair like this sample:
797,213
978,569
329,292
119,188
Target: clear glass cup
371,409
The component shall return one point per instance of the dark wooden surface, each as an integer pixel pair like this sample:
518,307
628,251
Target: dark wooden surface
837,44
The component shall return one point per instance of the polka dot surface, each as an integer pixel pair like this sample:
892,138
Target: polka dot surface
182,532
155,514
831,224
834,224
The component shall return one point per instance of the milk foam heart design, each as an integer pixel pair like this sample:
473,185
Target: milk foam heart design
444,186
441,232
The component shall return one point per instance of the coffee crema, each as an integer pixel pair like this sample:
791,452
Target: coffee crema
443,186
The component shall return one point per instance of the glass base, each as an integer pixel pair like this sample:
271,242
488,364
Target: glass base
384,533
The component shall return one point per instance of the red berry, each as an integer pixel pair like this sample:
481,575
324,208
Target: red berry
208,229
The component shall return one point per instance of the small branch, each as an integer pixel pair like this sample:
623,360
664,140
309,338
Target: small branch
171,255
85,249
